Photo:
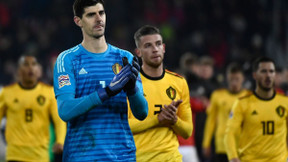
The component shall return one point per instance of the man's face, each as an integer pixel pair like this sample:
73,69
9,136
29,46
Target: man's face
235,81
206,71
29,70
265,76
93,21
151,49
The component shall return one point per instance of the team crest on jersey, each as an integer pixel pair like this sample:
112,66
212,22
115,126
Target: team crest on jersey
116,68
171,92
41,100
16,100
280,111
63,80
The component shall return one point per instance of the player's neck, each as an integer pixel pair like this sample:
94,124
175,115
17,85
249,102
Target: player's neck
264,94
234,91
28,85
95,45
151,71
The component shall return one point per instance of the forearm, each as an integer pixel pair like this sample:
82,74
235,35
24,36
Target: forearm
210,125
138,105
230,145
60,131
184,126
137,126
70,107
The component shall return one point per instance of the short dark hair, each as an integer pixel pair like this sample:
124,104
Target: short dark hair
259,60
234,68
145,30
80,5
26,55
206,60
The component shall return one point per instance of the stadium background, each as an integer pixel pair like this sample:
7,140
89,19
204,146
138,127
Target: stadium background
226,30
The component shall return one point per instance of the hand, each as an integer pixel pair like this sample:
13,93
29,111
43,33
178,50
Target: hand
117,84
168,115
235,160
130,87
206,152
57,148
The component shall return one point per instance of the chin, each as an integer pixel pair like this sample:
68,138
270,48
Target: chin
267,88
98,36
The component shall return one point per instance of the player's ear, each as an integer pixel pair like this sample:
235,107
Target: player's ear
78,21
164,46
137,52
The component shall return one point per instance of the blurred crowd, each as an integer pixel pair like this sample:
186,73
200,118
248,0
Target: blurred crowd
202,36
226,30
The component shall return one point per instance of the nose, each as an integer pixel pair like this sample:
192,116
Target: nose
155,48
98,18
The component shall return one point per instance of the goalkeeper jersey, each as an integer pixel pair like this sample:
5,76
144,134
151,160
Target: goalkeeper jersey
263,127
155,142
102,133
28,113
217,116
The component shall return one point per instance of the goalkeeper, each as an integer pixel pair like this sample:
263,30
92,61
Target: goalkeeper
92,81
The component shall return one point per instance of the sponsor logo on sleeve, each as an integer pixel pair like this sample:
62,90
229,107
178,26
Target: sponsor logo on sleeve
63,80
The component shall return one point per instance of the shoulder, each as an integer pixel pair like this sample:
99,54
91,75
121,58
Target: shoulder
46,89
221,90
68,53
173,74
45,85
10,86
247,96
9,89
281,96
122,52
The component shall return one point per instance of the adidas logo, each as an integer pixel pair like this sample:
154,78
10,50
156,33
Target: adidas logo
82,71
254,113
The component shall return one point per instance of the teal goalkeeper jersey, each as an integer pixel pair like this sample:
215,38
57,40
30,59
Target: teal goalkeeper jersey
103,133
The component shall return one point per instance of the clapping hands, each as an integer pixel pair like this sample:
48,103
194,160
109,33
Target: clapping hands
168,115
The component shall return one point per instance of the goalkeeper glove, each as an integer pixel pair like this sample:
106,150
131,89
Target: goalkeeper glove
118,82
131,87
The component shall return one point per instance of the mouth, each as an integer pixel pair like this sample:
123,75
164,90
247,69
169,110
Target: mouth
268,81
98,26
156,57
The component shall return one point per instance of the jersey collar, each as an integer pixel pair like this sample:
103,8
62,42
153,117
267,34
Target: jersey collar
21,86
152,78
265,99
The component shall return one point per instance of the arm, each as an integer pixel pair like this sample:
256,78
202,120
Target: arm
138,103
65,86
137,126
59,126
184,125
286,128
210,125
233,126
2,105
70,107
